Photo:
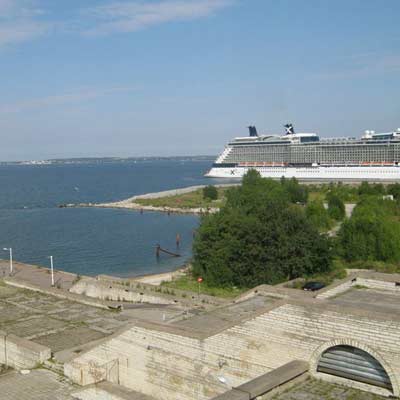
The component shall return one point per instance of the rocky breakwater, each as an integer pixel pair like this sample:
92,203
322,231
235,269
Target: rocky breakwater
133,204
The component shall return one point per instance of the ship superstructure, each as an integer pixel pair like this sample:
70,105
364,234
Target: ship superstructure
373,156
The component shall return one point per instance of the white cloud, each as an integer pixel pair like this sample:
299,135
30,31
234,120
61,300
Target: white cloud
132,16
24,20
19,22
72,97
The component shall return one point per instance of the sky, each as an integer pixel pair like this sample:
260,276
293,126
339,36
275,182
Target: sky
82,78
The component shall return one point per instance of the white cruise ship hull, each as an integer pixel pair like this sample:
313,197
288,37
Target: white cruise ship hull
318,173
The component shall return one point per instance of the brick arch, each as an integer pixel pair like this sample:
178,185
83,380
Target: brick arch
316,355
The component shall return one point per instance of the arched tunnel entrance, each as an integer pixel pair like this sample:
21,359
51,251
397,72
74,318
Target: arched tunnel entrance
352,363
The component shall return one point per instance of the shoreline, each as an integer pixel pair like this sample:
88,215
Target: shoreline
40,275
157,278
131,204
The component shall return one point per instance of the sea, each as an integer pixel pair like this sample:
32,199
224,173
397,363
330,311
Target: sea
92,241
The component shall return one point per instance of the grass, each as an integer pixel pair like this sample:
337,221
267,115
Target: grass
338,272
188,282
186,200
379,266
360,287
348,193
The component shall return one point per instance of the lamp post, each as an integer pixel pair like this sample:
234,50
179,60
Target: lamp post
9,249
52,270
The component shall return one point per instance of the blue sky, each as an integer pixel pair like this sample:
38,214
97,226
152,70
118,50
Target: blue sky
177,77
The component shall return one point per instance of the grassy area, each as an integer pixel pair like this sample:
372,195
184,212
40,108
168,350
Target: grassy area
347,193
378,266
193,199
338,272
188,282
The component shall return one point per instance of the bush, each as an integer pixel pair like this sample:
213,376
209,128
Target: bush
371,189
372,233
317,214
258,237
336,207
210,192
296,192
394,190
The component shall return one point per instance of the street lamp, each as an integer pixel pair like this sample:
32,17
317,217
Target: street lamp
9,249
52,270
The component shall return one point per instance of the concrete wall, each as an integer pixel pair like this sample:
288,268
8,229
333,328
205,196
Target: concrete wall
269,384
20,353
371,283
175,365
104,288
378,284
104,291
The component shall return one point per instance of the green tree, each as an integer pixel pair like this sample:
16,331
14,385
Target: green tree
259,236
297,193
394,190
336,207
371,189
210,192
318,215
372,233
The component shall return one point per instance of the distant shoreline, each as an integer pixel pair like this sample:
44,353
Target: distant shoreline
105,160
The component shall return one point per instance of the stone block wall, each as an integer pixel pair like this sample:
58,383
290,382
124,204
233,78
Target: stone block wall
19,353
179,366
103,291
387,286
378,284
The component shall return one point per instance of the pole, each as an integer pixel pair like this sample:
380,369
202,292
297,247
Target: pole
11,261
52,270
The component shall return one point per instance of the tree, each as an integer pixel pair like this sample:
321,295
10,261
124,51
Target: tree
372,232
371,189
394,190
297,193
210,192
318,215
259,236
336,207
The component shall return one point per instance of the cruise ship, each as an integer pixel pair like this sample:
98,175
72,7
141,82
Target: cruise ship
306,156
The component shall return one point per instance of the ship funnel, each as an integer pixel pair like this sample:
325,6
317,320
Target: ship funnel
289,129
253,131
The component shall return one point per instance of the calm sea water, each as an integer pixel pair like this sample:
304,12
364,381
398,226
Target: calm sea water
93,241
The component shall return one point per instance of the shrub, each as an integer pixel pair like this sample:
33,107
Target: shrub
210,192
394,190
372,233
336,207
318,215
371,189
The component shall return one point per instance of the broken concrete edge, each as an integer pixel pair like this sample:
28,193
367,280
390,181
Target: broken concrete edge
62,294
267,382
117,290
155,290
365,278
